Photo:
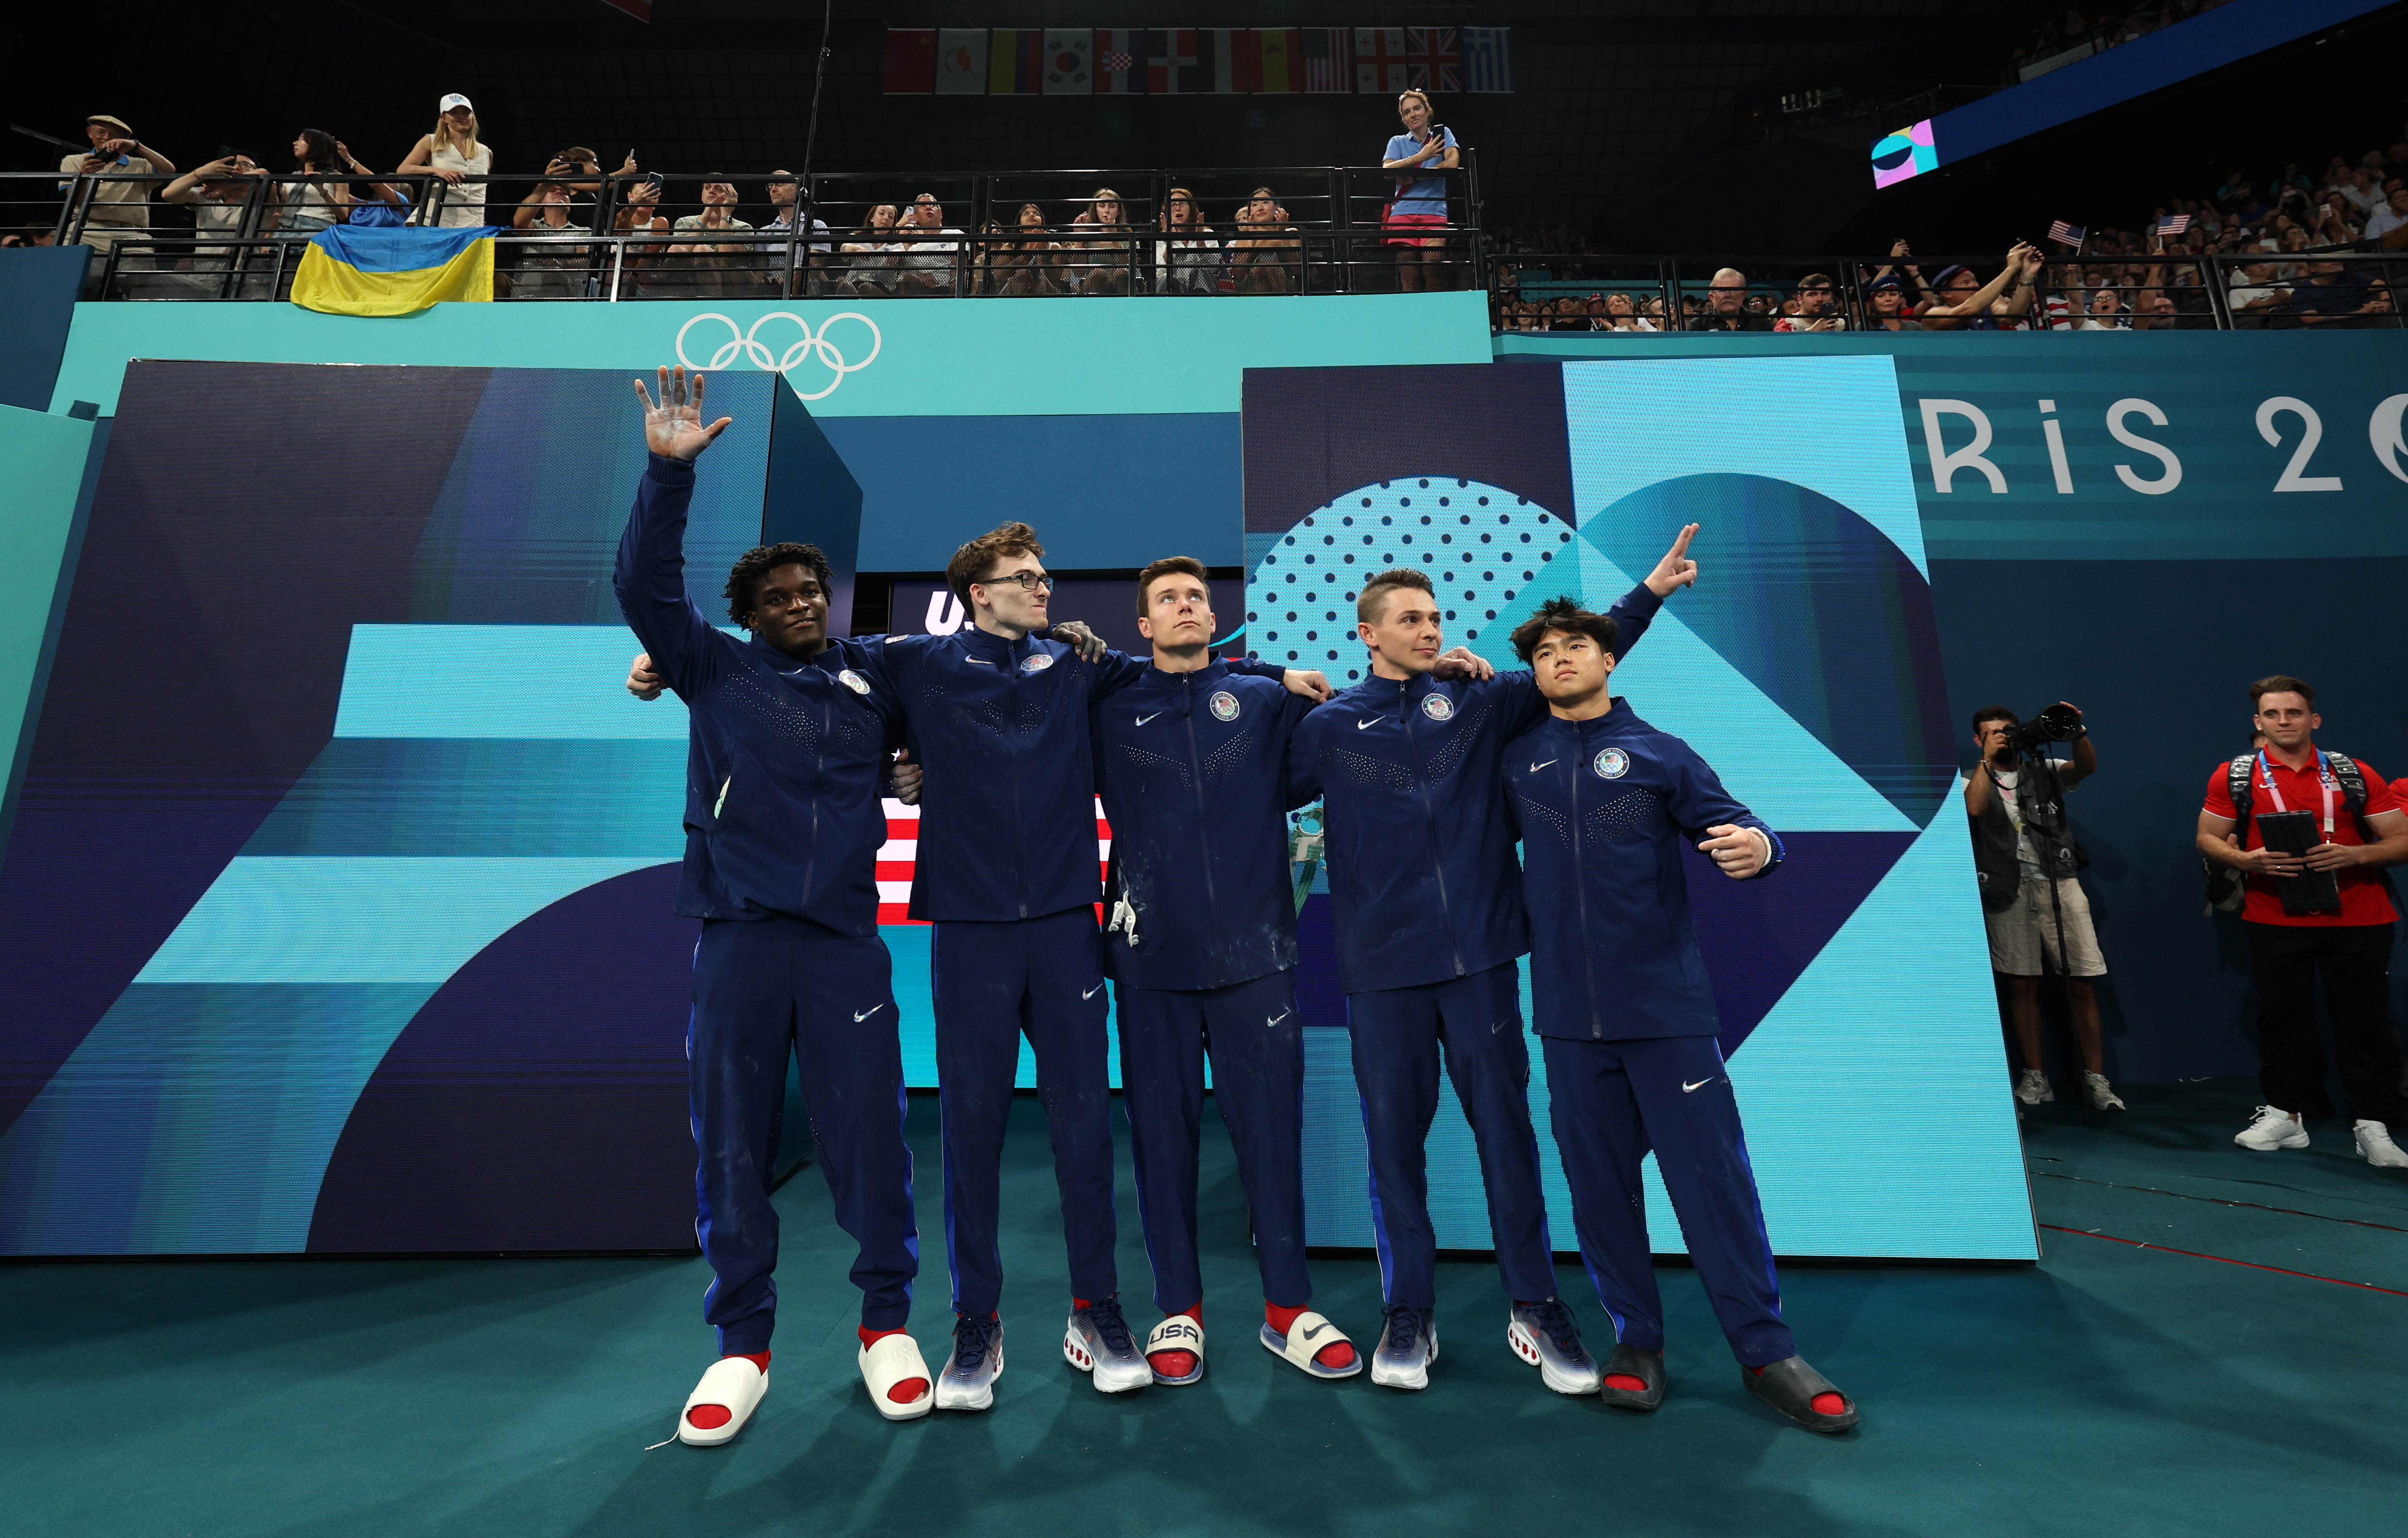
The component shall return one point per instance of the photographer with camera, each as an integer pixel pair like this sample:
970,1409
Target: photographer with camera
2310,832
2033,901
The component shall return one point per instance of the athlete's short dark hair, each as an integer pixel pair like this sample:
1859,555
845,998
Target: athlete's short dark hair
1993,713
970,562
744,578
2283,683
1567,615
1375,600
1188,566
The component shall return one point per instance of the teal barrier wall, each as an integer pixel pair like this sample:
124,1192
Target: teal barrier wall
44,456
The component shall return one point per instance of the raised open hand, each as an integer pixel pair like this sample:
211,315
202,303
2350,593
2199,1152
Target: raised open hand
1675,569
674,429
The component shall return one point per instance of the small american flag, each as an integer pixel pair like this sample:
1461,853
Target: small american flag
2067,234
2172,223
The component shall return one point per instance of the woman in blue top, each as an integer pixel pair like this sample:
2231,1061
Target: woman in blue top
1420,203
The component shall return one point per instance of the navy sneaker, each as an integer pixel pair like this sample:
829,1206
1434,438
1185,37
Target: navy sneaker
1408,1345
1098,1342
968,1382
1545,1335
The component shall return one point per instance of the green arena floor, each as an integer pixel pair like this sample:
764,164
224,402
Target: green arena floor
2111,1390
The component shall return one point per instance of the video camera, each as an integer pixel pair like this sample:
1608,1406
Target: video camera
2056,723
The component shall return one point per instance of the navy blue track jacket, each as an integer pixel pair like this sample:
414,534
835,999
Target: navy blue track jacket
1007,807
1193,771
1422,878
1604,807
784,757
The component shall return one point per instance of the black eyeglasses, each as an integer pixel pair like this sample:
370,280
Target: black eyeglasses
1029,581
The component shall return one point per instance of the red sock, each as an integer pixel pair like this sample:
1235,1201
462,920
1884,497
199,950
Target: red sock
1336,1354
710,1417
909,1389
1822,1405
1177,1363
1624,1382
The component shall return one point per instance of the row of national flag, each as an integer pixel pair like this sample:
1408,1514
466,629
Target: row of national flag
1184,61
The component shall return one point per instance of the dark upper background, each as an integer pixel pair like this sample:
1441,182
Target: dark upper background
1649,125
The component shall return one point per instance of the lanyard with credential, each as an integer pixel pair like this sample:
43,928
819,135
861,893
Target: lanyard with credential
2324,781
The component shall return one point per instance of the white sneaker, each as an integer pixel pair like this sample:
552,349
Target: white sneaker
2375,1146
2103,1094
2273,1128
2032,1088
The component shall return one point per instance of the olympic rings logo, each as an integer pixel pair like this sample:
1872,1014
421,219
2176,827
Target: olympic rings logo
748,345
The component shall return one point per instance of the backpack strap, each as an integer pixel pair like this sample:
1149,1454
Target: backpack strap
2236,786
2353,788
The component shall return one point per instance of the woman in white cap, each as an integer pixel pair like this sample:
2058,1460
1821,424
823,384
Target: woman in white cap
453,153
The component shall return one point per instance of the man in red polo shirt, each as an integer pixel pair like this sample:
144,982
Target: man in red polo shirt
2350,946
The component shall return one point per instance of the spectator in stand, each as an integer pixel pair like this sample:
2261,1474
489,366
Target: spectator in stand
2155,311
1187,259
1258,258
1109,273
2384,223
2362,830
453,153
1965,303
2334,227
2256,296
773,255
548,270
640,214
2362,190
1024,267
2104,313
2335,297
1622,315
230,197
577,171
926,269
324,197
871,257
1419,206
708,265
1727,305
1888,302
1653,313
114,210
1819,300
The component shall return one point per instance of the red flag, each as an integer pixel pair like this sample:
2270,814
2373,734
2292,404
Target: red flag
911,61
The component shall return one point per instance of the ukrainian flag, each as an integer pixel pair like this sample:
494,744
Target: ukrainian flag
359,269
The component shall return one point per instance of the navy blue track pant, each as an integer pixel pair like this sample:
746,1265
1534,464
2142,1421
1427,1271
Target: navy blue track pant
763,988
1615,1101
1397,1036
1252,1032
994,981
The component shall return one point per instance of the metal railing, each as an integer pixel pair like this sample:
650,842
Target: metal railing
1282,230
1656,295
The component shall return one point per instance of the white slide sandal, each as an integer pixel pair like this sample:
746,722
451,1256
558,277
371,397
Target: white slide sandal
896,1358
1176,1333
1310,1336
733,1384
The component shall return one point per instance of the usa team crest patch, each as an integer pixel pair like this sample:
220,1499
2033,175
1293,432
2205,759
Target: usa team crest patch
1036,662
1613,764
853,680
1224,706
1437,707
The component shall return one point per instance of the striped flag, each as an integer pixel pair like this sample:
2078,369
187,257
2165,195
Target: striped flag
2067,234
1380,66
1327,54
1281,71
2172,223
1431,62
1170,61
1015,62
911,61
1069,61
1221,62
1120,61
898,859
961,61
1488,60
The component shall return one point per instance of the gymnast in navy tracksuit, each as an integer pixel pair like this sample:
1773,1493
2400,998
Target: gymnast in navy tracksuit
1200,944
1604,803
1429,921
787,749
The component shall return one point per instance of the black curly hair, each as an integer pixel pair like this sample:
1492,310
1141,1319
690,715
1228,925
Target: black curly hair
744,577
1566,615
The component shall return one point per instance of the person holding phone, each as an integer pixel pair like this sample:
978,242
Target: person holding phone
1419,206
